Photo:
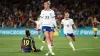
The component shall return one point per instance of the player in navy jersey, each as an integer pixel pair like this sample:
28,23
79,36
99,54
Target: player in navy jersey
28,43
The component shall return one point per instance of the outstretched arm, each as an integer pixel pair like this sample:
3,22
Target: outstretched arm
55,24
60,26
75,27
33,45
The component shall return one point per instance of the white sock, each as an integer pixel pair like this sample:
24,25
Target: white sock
39,35
50,47
71,44
41,48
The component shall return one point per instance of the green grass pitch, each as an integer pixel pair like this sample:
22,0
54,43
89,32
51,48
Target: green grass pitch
85,45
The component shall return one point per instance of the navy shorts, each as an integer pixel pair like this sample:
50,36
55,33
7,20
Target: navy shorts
26,49
71,34
46,28
39,30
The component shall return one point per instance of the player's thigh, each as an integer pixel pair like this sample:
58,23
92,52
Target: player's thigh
46,33
51,34
68,38
74,38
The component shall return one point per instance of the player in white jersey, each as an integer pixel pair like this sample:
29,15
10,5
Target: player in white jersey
68,23
39,30
47,20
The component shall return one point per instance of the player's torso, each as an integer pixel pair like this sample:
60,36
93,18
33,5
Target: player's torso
95,24
27,42
67,26
47,18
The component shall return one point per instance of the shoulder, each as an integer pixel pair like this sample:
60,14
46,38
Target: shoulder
70,19
42,11
36,21
31,37
23,38
62,20
51,10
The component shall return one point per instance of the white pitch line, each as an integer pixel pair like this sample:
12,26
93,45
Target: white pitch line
87,48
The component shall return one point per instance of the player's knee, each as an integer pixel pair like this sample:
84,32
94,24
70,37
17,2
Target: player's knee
69,40
51,40
74,40
38,32
47,37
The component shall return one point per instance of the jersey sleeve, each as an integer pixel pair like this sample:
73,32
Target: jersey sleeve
36,22
72,22
22,40
22,43
33,44
54,21
52,14
41,17
32,40
61,21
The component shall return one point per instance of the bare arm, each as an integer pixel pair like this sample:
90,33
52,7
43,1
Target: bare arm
75,27
55,24
60,26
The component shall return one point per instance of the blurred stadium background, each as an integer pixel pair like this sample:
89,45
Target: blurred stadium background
16,13
15,17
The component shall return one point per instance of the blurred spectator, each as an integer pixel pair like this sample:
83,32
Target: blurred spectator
17,13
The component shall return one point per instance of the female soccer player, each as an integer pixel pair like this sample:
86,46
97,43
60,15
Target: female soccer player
95,26
47,20
39,30
28,44
68,31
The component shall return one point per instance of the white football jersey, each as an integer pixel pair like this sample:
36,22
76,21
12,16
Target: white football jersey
37,22
47,18
67,24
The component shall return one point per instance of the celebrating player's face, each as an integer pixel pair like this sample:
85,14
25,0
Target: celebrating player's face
66,15
95,19
46,5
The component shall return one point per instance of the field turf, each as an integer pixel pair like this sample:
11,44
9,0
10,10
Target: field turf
85,45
